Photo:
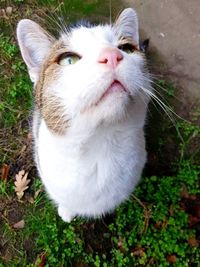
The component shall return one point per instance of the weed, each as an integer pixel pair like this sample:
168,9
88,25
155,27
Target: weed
147,229
170,89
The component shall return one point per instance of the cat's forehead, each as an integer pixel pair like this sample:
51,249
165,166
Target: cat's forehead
85,37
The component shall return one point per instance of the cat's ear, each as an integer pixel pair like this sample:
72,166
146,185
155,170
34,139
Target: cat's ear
34,43
126,25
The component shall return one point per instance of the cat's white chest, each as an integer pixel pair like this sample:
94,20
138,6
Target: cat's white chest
92,178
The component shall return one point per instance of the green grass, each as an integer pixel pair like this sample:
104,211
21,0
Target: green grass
151,229
144,231
17,91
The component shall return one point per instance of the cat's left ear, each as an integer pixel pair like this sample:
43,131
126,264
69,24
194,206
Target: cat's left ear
126,25
34,43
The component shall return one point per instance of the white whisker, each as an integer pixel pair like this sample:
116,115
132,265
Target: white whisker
167,109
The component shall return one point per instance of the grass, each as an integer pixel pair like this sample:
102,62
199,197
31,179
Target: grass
147,230
155,227
16,86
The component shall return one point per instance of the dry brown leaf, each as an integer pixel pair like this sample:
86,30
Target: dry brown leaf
21,183
19,225
4,173
9,10
43,258
193,242
171,258
138,251
193,220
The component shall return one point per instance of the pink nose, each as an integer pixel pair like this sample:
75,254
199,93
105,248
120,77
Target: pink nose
110,56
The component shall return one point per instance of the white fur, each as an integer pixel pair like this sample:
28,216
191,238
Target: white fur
29,35
124,25
95,166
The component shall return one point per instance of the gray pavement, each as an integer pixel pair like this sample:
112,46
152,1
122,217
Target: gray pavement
174,29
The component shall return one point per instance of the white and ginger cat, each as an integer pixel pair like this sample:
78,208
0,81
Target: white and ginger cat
91,89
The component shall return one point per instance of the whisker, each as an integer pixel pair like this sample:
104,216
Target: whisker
160,102
164,89
150,92
141,96
167,109
153,103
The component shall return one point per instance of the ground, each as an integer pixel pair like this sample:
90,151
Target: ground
159,224
172,26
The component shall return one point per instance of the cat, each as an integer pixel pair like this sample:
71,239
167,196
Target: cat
91,91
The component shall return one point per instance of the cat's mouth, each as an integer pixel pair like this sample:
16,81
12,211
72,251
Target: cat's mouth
115,87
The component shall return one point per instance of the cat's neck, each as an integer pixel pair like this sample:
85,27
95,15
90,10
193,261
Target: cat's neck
84,129
81,136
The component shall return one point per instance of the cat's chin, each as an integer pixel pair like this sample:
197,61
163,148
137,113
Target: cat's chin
112,104
113,107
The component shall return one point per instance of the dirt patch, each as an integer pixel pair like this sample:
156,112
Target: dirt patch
11,212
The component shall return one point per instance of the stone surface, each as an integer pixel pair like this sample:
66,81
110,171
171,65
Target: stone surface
173,27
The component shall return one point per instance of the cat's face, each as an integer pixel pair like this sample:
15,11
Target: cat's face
95,72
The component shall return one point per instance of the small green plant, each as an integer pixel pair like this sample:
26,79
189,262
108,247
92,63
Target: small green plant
168,88
148,230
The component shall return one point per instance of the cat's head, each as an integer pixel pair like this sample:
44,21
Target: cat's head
92,72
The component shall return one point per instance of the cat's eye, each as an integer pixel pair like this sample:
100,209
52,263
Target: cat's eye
67,59
128,48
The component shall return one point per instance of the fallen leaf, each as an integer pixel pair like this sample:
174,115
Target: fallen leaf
171,258
42,262
138,251
19,225
2,12
193,242
193,220
9,10
21,183
4,173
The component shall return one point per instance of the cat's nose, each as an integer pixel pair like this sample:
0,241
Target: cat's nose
110,56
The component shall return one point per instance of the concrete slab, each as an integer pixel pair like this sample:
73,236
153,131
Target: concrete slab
174,29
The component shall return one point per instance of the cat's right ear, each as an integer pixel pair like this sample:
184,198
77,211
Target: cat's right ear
34,43
126,25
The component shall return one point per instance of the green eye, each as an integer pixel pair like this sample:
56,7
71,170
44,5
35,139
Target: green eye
128,48
68,59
